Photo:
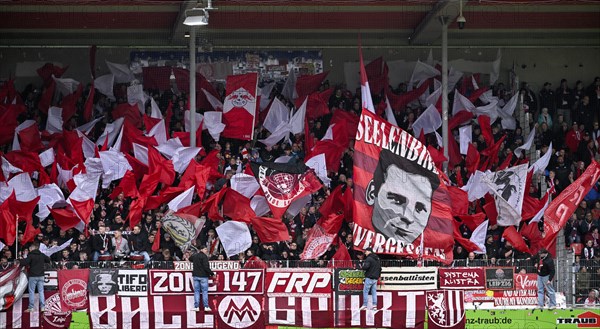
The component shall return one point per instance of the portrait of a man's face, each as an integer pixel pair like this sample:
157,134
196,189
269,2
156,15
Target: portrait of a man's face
105,284
500,274
401,198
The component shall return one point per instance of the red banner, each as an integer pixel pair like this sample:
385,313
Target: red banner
239,107
299,282
399,198
53,318
462,278
397,310
73,289
561,208
524,294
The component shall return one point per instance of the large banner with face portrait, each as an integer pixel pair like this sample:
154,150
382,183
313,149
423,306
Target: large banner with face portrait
401,206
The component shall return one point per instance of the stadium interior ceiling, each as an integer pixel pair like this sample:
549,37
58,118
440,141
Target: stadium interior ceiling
300,24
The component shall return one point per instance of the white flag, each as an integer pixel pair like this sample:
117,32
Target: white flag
319,164
259,204
429,121
159,132
265,92
182,158
465,134
156,113
289,88
114,164
8,168
508,188
87,127
245,184
234,236
121,72
111,131
297,120
278,113
49,195
187,124
140,152
23,187
26,124
54,124
540,165
87,186
65,86
105,84
461,103
46,157
389,113
540,213
169,148
182,200
527,144
213,121
475,187
216,104
478,237
54,249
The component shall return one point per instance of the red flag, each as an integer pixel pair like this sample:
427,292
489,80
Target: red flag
165,195
83,209
453,153
317,105
193,209
307,84
506,162
69,103
561,208
139,169
400,101
27,161
515,238
23,209
331,223
156,243
472,159
88,108
239,107
8,229
30,139
317,243
135,211
309,141
348,204
532,233
157,163
466,243
8,117
270,229
458,119
341,258
47,97
283,183
436,155
477,93
531,205
472,221
48,70
30,234
333,203
93,61
486,129
212,205
127,186
492,153
149,184
460,201
490,209
65,218
237,207
131,113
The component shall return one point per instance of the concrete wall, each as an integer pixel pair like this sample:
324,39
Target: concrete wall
534,65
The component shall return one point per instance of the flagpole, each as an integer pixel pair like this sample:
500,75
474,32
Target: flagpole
444,21
192,86
17,237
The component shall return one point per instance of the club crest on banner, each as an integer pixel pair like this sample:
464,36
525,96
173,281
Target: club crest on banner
54,315
239,311
445,308
280,188
241,97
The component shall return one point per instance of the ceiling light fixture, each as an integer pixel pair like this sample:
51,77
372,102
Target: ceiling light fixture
198,16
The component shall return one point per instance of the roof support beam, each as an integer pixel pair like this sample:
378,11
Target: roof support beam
428,31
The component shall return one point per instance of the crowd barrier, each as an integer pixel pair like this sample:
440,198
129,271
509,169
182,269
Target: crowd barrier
317,297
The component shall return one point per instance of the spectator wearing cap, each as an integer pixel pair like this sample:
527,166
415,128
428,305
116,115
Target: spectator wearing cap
372,268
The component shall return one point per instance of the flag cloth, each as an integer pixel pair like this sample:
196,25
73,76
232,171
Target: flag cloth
561,208
282,183
235,237
445,309
317,242
465,134
270,229
104,281
515,238
527,145
182,200
54,249
73,288
183,228
239,107
428,122
508,188
237,207
341,258
156,243
469,245
388,163
540,165
244,184
478,236
13,283
8,231
121,72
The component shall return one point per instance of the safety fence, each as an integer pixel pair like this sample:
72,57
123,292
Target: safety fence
408,296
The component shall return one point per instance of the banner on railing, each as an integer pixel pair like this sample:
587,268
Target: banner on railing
299,297
524,294
73,289
462,278
408,278
348,281
133,282
103,281
499,278
51,280
53,318
445,309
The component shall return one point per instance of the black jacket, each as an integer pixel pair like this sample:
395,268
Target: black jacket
138,242
35,260
201,267
546,267
372,267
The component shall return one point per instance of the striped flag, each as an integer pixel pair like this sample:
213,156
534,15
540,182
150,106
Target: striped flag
445,309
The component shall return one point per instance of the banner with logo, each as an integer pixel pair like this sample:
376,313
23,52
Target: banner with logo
239,106
559,318
103,281
240,311
462,278
396,310
299,297
348,281
133,282
499,278
399,198
53,318
73,289
51,280
445,309
524,294
408,278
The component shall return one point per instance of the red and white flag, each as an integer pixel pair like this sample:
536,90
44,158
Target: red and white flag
317,242
398,194
508,188
239,108
446,309
561,208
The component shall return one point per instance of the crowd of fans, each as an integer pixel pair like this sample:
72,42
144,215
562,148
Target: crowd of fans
566,118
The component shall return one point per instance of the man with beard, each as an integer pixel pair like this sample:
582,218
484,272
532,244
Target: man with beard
400,192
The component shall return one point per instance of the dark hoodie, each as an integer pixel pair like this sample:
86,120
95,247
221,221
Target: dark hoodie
372,267
35,260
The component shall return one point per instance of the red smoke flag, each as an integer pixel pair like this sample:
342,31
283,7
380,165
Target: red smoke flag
270,229
283,183
239,108
561,208
399,197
